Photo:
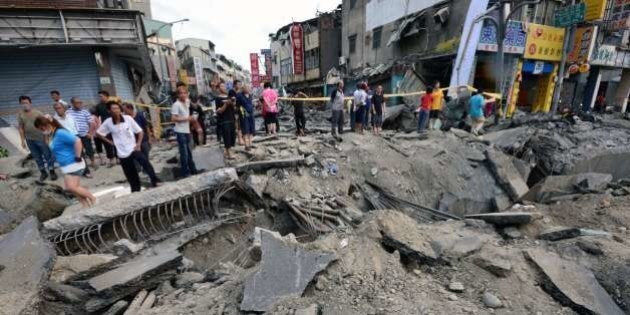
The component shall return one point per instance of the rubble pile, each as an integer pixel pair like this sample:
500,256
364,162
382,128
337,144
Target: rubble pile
530,219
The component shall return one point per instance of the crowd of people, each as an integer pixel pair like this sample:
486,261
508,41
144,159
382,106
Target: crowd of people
72,136
116,133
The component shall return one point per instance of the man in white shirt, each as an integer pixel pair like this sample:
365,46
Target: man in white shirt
127,138
67,121
180,115
360,100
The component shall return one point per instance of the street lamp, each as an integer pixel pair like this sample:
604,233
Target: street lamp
157,35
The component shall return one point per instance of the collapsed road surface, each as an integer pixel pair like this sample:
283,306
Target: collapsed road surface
532,218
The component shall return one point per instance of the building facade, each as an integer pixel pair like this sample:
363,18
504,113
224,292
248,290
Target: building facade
75,50
163,55
198,58
321,52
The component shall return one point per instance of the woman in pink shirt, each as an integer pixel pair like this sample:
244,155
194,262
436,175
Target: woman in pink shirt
270,108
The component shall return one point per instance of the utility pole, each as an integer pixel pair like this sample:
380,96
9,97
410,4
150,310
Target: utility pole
566,45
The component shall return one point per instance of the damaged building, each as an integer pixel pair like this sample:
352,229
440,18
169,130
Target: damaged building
75,47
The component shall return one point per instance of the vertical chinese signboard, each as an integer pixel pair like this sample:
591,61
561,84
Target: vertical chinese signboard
253,59
201,83
544,42
267,55
582,43
297,44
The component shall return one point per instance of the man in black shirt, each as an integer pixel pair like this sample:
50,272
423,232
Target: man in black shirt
298,113
378,108
236,88
102,113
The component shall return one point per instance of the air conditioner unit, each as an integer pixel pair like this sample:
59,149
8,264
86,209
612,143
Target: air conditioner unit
342,60
441,16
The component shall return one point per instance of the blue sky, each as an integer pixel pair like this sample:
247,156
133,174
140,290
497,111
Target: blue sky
237,27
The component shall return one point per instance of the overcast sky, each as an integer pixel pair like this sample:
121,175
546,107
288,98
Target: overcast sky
236,27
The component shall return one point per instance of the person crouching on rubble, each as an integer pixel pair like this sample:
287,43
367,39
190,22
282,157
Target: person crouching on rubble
68,150
425,107
476,105
127,138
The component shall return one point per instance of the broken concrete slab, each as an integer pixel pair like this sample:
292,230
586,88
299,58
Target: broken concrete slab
208,158
12,166
504,218
399,232
67,267
559,233
133,270
67,293
267,165
257,183
141,200
573,285
494,262
557,186
506,174
285,271
614,164
27,259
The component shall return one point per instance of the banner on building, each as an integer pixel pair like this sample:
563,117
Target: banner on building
464,62
582,43
201,83
620,14
267,54
514,42
595,9
297,45
182,75
171,64
253,60
544,42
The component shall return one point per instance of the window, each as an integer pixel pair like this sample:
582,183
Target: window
352,43
311,59
353,4
286,67
376,37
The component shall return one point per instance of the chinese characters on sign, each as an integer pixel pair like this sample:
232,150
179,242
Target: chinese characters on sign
620,14
297,43
581,45
608,55
594,9
544,42
253,60
201,84
569,15
514,42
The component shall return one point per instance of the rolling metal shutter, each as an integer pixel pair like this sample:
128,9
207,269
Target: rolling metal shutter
120,74
37,71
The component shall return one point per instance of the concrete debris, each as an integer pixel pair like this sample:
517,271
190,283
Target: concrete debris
66,293
67,267
285,271
261,166
504,218
553,187
490,300
493,262
573,285
511,232
559,233
507,174
607,163
456,287
208,158
117,308
27,260
133,270
144,199
590,247
257,183
126,247
313,309
188,279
